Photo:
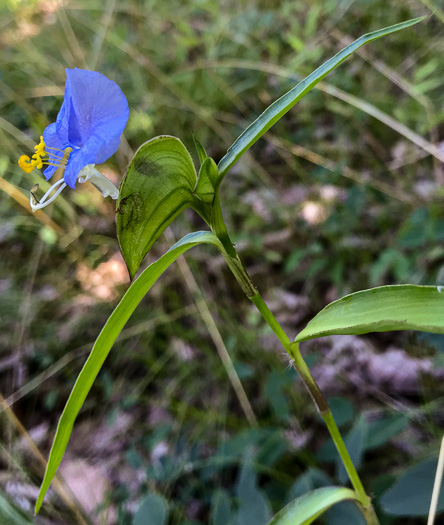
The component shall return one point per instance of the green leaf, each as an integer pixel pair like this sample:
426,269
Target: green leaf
207,181
153,510
345,512
254,507
274,112
221,511
305,509
381,431
273,390
157,186
382,309
411,494
342,410
103,344
10,516
311,479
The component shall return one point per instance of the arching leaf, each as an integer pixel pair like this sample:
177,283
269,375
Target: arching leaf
274,112
103,344
305,509
381,309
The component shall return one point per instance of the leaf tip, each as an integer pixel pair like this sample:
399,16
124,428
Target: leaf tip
38,503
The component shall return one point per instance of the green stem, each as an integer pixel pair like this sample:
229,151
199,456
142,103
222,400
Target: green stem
327,416
219,228
236,266
309,381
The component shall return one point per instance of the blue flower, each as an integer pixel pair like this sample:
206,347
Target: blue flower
87,131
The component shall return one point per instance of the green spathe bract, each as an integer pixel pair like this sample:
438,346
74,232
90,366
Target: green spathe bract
157,186
103,344
382,309
207,181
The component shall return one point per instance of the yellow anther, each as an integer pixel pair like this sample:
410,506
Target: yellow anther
52,159
40,148
39,152
26,164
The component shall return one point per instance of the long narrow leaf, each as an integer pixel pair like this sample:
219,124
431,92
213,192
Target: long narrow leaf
103,345
274,112
305,509
381,309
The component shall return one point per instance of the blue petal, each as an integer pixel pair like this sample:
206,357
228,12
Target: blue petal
52,140
93,116
76,162
93,105
81,157
49,172
51,137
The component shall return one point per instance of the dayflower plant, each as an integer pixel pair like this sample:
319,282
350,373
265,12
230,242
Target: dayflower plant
87,132
161,181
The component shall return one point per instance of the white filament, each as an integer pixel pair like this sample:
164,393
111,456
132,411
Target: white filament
46,199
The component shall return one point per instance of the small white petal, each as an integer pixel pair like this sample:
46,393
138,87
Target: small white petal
99,181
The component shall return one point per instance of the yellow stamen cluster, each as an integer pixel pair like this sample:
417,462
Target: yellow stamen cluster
28,164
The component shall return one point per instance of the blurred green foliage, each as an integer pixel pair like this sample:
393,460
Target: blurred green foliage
331,201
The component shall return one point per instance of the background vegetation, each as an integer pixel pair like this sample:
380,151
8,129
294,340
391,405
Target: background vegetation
344,193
